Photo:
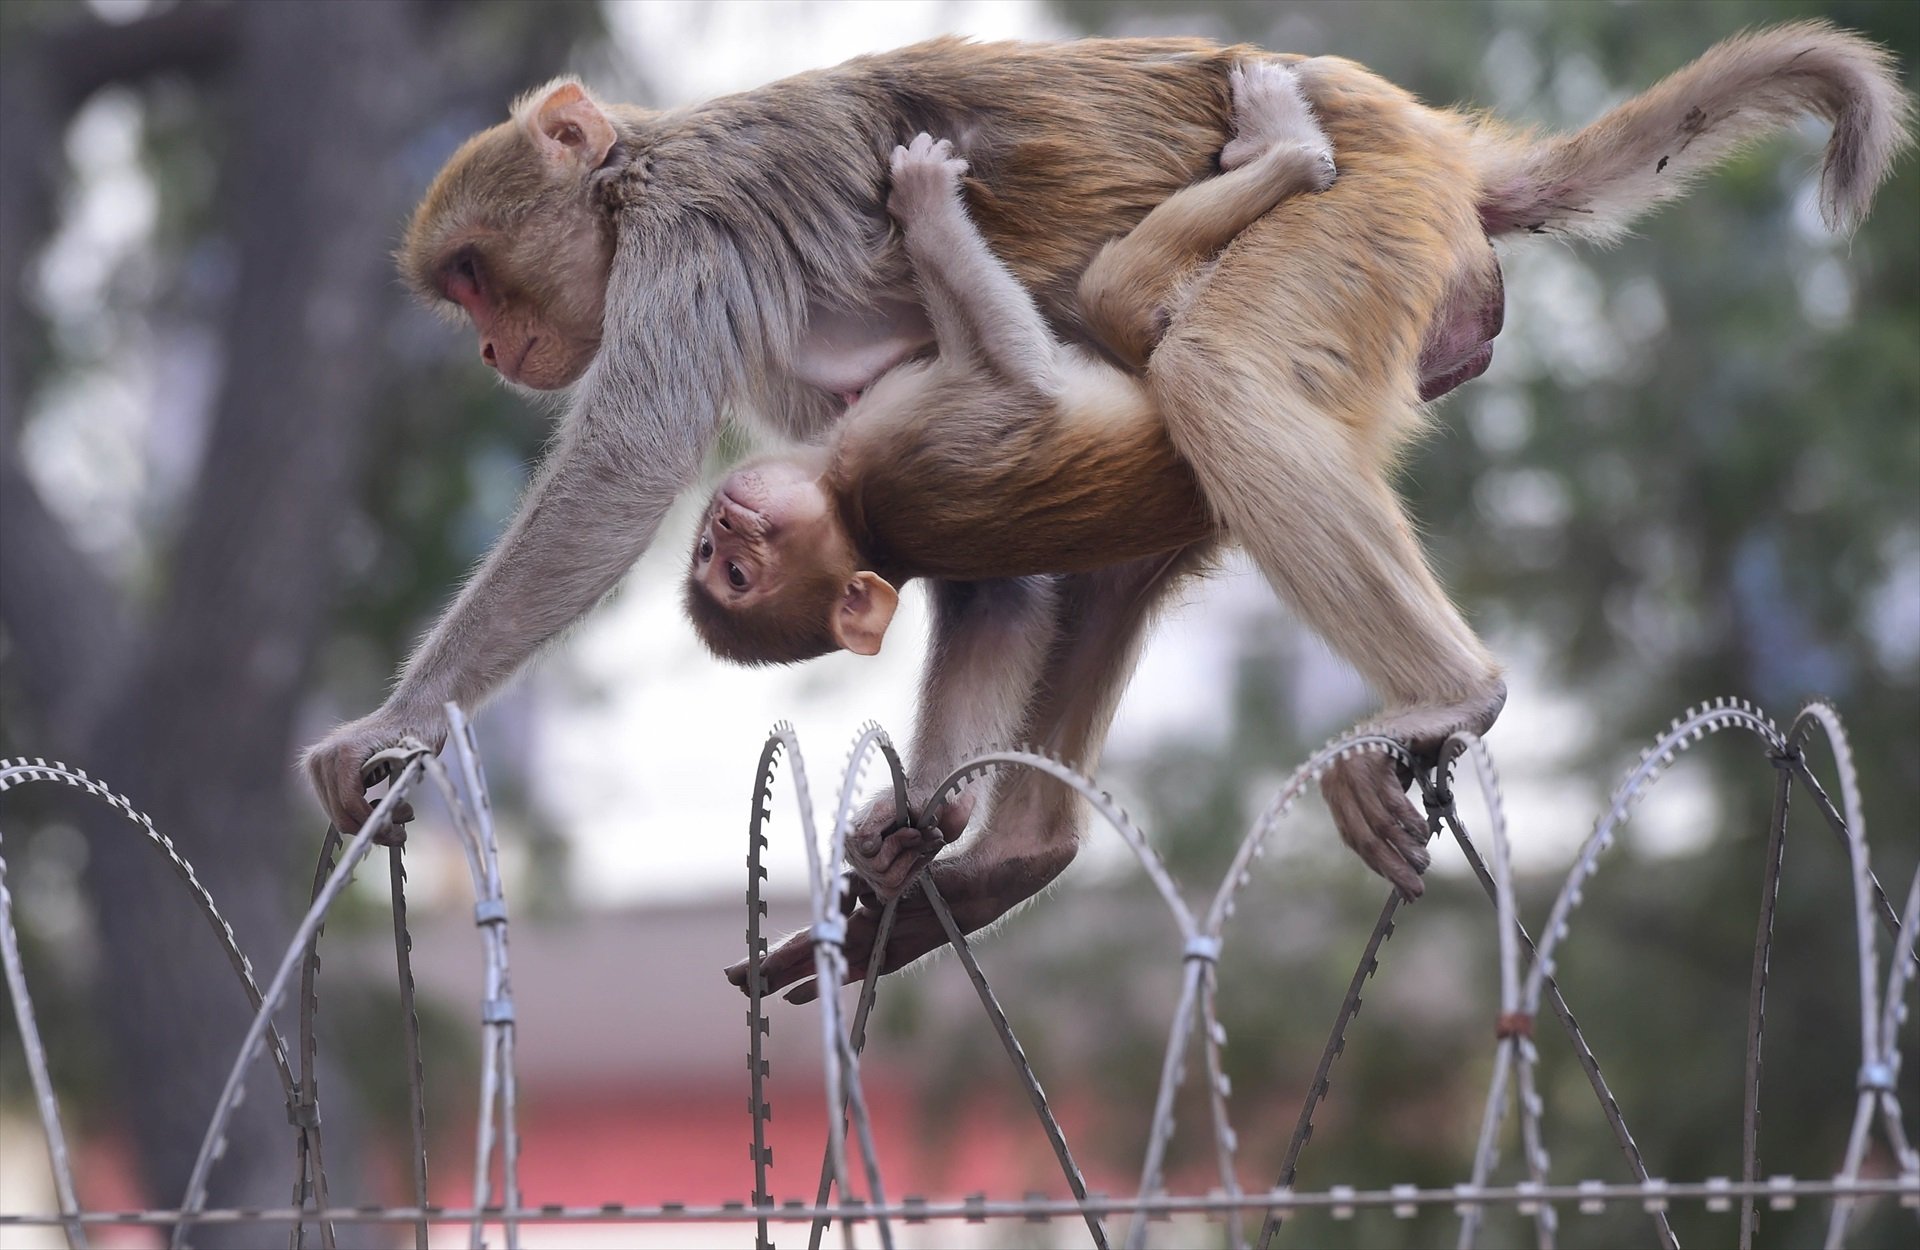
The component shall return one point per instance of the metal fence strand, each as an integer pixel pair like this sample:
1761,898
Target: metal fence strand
1173,1073
759,1027
1783,1192
410,1027
307,1113
1583,1053
214,1141
1526,980
1336,1045
37,1074
1076,1182
1757,994
21,771
857,1041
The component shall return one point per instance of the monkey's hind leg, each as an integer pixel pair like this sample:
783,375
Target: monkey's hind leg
1283,451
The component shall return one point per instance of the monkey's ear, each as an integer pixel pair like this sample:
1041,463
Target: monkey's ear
863,612
567,126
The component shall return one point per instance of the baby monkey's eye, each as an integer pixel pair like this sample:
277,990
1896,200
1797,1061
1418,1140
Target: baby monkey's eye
706,549
736,577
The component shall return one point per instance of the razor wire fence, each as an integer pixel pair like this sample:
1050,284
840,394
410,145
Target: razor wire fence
1526,965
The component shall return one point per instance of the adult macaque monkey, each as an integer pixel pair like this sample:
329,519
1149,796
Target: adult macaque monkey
739,251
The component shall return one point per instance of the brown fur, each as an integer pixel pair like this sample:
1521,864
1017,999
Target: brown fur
970,489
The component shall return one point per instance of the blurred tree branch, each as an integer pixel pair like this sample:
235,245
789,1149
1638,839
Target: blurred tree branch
61,616
188,699
62,619
78,58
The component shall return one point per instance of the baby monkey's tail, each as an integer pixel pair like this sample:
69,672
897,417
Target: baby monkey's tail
1591,184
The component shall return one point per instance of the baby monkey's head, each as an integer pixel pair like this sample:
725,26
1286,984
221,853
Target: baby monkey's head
775,577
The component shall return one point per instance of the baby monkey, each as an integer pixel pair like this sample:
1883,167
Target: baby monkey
1009,453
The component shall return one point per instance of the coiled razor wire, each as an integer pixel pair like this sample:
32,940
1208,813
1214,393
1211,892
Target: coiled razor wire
1526,980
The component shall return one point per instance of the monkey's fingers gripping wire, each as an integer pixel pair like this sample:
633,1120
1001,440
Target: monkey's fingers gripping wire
385,766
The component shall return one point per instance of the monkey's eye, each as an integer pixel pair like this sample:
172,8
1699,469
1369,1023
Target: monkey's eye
463,278
706,549
736,576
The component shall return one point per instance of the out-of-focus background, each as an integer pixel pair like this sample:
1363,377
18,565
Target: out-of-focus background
242,472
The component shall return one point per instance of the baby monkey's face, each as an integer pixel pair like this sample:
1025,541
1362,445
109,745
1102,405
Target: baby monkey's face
768,526
774,577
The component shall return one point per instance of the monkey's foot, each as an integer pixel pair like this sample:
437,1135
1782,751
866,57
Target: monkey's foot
1374,816
916,932
1270,111
1367,791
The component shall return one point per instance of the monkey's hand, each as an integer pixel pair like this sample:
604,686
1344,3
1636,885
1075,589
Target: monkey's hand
1371,810
336,765
1367,791
1270,111
886,854
926,179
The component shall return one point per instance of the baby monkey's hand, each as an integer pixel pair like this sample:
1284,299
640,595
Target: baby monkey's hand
926,178
1270,112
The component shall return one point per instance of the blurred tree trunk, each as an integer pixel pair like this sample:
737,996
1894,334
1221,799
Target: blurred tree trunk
189,710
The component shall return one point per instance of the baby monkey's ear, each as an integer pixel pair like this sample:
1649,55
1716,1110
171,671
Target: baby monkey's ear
863,612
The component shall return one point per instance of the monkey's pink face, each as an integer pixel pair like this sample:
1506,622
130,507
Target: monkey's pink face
767,525
535,302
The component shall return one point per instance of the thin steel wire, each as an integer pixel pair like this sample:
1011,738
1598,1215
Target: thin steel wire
1819,715
474,824
313,1180
1900,973
1336,1045
1226,1142
1017,1054
37,1074
1889,919
21,771
1757,995
1783,1193
1526,977
1583,1053
870,984
410,1027
1515,1027
213,1143
759,1067
857,1042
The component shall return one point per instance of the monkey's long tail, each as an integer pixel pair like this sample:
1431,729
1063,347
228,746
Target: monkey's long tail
1591,184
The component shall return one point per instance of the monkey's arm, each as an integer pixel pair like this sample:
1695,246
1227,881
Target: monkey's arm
977,307
642,419
1128,293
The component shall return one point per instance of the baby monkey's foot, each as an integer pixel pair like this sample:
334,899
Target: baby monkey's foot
1270,111
926,177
